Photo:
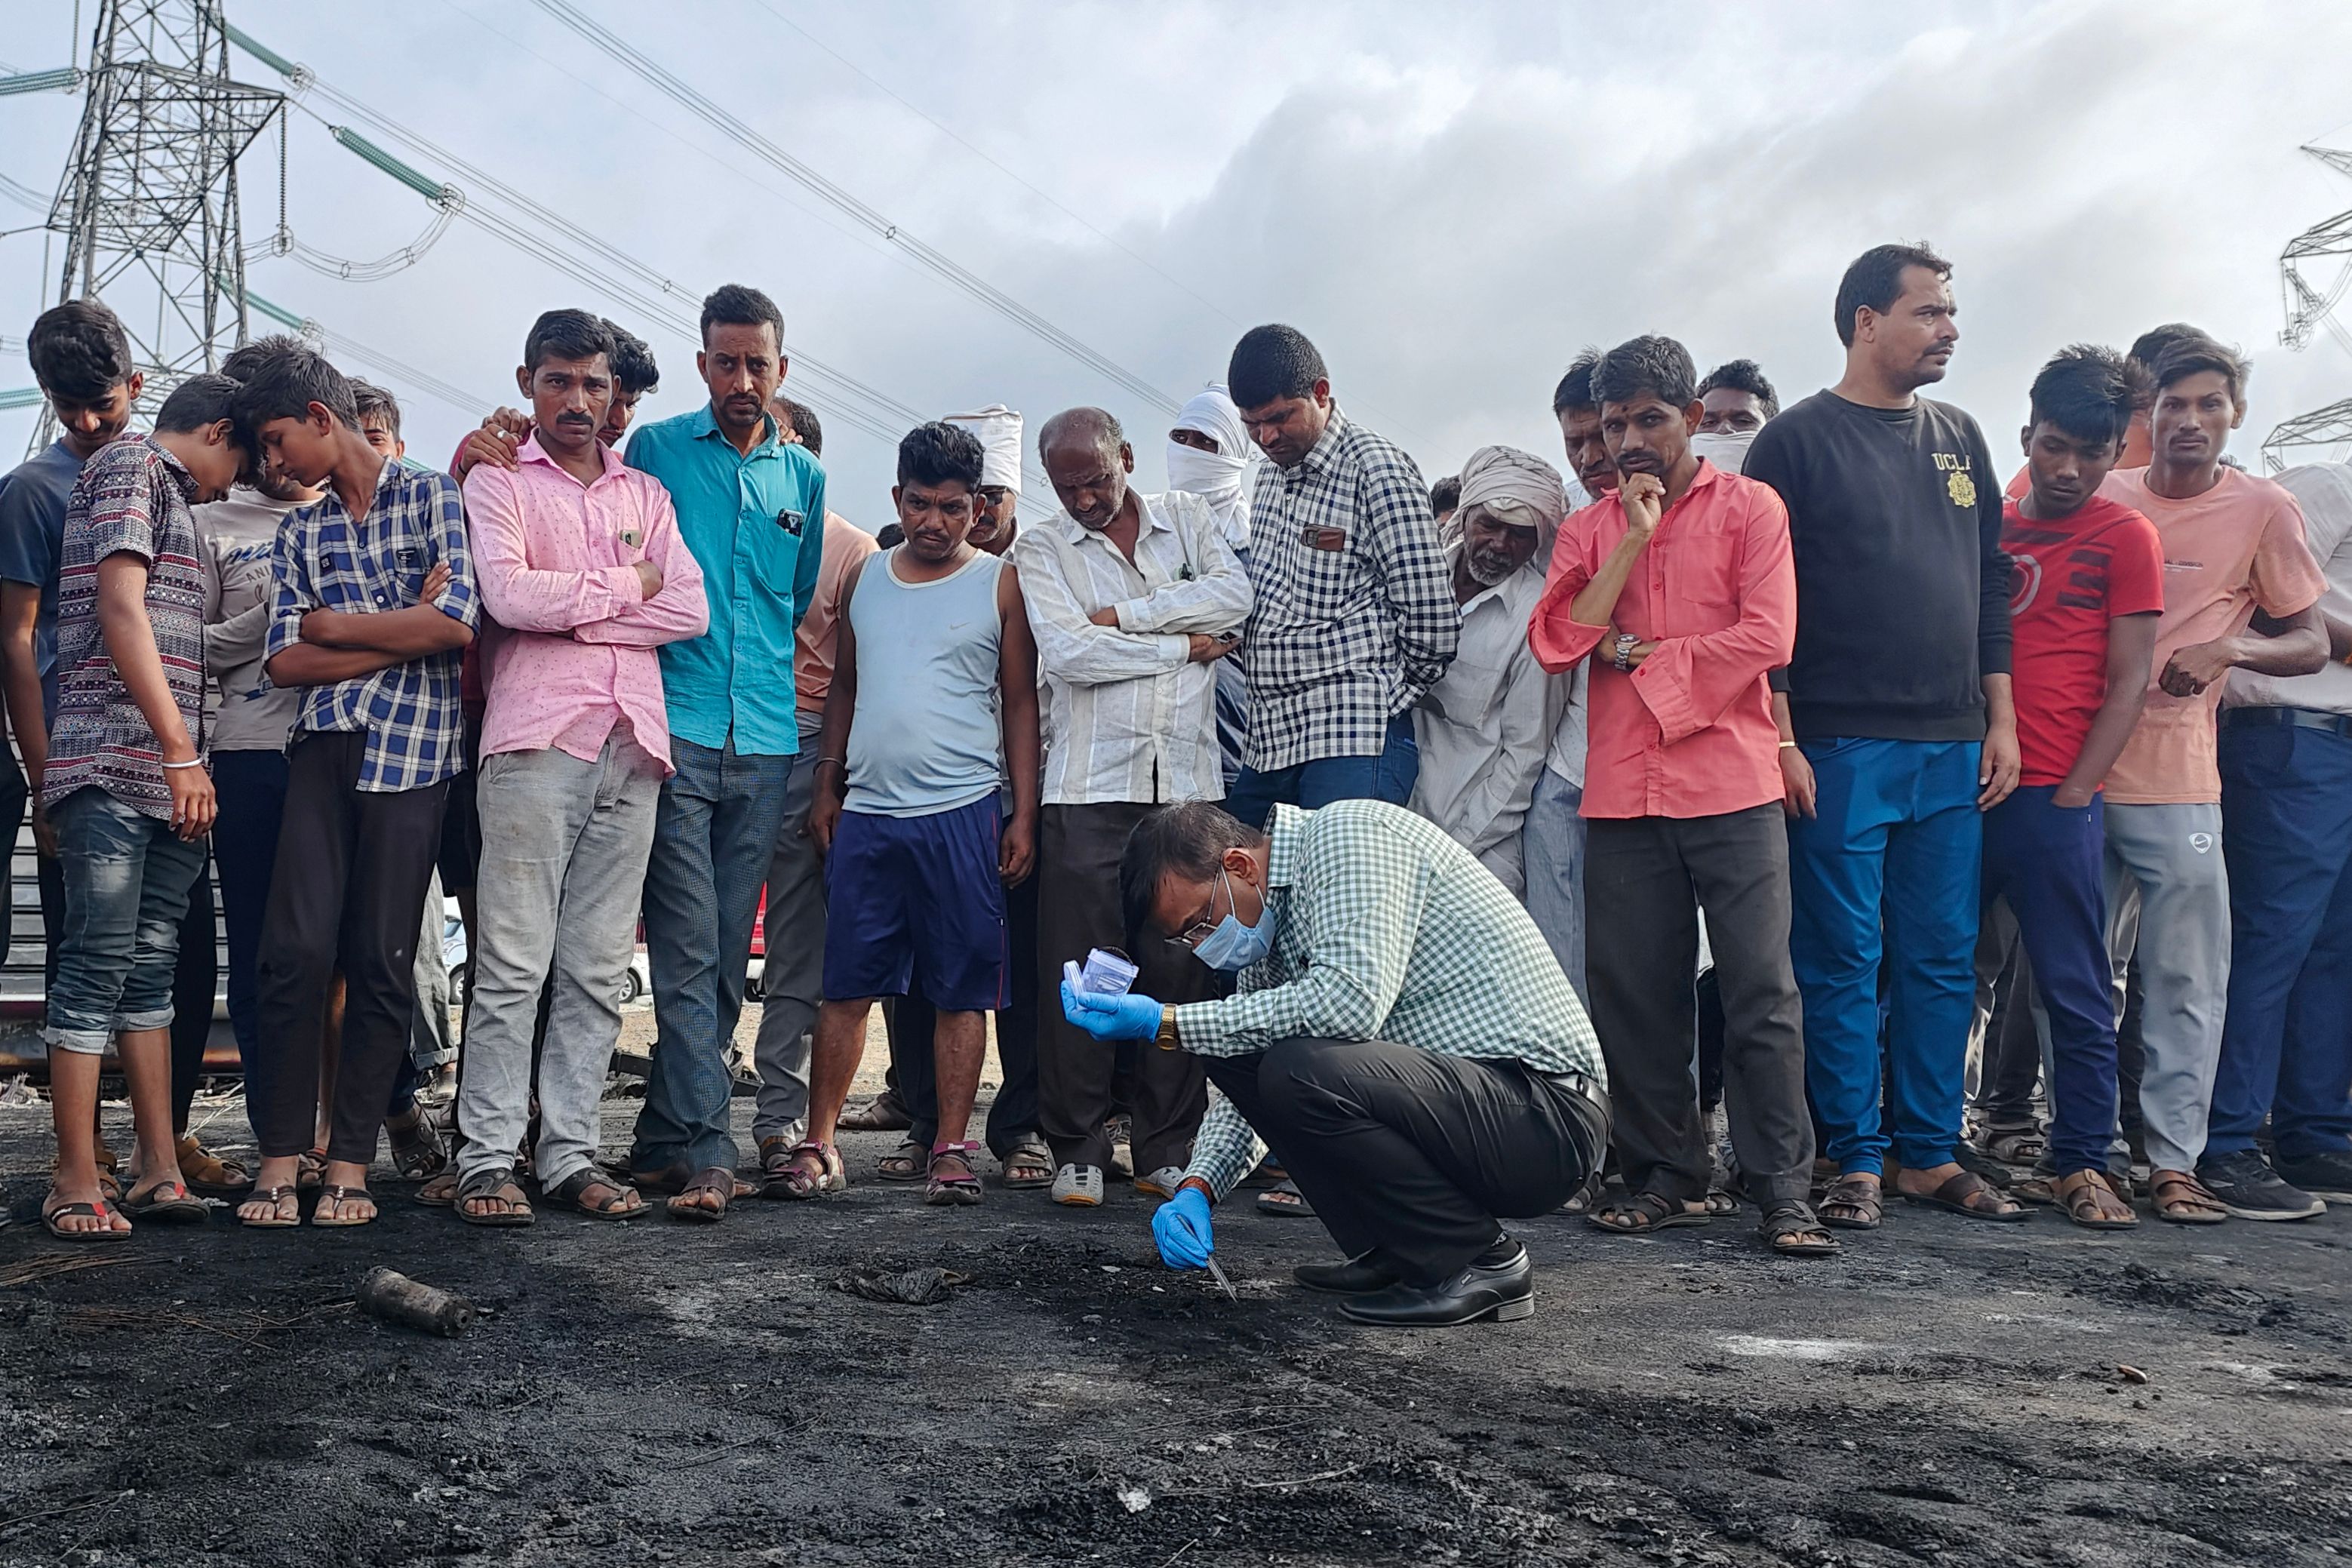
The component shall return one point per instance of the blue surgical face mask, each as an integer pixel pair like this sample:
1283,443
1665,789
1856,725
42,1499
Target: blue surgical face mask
1232,946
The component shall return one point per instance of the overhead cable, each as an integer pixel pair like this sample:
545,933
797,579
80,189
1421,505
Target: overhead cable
955,272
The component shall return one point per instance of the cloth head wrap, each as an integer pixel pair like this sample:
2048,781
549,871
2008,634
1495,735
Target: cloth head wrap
1220,477
999,429
1507,474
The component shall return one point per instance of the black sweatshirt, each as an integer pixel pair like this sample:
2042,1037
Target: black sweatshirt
1902,588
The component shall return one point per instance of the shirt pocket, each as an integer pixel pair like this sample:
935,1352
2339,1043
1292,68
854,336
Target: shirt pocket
1702,585
1330,586
780,534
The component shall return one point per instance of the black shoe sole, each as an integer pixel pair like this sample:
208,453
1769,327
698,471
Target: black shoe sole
1512,1311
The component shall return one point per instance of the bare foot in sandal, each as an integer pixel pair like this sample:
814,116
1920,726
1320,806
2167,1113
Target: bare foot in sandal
1641,1213
2092,1204
1957,1190
75,1211
275,1203
1855,1201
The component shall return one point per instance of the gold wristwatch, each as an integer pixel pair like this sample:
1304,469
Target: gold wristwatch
1166,1039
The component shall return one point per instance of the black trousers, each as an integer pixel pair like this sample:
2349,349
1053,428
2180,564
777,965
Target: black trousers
194,985
353,867
1413,1156
1646,879
1078,848
909,1021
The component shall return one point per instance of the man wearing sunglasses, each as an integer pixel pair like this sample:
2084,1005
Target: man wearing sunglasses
1400,1031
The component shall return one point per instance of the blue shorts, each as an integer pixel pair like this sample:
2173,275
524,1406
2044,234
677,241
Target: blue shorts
905,894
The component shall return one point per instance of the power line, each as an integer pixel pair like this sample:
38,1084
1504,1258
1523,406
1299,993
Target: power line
587,257
945,266
948,131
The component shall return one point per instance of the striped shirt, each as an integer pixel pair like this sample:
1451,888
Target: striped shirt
131,499
1128,715
1355,615
329,559
1385,929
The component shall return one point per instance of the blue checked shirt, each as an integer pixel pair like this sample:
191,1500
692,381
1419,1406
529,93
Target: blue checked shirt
1385,929
1355,616
327,560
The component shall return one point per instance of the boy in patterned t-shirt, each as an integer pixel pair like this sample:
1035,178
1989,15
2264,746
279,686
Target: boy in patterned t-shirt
128,792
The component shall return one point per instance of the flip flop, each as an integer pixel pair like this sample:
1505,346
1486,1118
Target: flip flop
276,1199
166,1202
335,1194
50,1216
1284,1198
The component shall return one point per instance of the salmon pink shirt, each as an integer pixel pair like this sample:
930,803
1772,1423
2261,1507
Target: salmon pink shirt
1689,732
573,652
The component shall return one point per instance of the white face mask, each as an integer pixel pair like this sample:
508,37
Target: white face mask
1203,473
1727,449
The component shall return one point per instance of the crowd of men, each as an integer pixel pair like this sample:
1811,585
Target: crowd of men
1887,809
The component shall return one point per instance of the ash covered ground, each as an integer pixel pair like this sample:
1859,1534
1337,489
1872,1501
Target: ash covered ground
653,1392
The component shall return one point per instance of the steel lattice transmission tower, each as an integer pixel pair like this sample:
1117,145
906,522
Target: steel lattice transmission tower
2311,310
149,202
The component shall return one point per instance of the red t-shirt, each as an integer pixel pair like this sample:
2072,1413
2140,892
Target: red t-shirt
2067,580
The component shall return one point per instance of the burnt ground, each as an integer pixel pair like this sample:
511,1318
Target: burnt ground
1948,1393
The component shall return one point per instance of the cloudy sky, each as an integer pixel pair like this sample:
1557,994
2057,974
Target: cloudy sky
1450,200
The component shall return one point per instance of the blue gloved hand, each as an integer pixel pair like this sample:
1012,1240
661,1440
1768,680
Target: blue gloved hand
1127,1017
1181,1227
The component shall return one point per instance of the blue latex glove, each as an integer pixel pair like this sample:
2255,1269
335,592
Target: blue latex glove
1127,1017
1181,1227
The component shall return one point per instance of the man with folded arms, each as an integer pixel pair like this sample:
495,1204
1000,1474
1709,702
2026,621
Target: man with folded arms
580,565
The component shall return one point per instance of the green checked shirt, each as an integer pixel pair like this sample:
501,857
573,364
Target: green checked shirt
1386,929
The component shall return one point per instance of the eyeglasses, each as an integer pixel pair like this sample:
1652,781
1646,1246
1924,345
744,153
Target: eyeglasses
1194,935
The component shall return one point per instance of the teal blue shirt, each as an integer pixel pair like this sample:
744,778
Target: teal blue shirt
756,526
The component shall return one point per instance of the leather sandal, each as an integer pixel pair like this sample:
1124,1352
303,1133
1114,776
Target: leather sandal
717,1182
2181,1199
1862,1193
2092,1204
952,1182
494,1183
1971,1195
809,1169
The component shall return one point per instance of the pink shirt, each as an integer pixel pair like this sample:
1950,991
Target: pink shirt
1690,731
845,544
573,651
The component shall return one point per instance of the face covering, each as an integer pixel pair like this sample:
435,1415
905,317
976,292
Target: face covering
1726,449
1203,473
1232,946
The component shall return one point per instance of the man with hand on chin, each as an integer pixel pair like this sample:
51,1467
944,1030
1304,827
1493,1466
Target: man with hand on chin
1399,1030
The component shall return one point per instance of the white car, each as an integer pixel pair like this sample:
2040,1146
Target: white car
638,984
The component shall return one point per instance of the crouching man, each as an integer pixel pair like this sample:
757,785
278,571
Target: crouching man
1401,1032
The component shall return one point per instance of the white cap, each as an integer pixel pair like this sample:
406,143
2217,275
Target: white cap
999,429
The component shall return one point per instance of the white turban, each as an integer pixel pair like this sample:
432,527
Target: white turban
1515,478
1220,477
999,429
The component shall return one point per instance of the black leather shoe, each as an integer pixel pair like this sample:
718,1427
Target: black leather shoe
1504,1290
1356,1277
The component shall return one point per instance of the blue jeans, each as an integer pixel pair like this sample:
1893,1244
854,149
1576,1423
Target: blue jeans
127,881
251,787
2049,863
713,833
1551,842
1887,871
1389,776
2286,1038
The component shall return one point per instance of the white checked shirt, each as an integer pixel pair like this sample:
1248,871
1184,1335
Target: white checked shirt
1128,715
1355,615
1483,728
1385,930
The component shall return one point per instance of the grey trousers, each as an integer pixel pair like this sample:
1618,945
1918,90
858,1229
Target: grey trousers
1646,881
791,981
563,863
2169,895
